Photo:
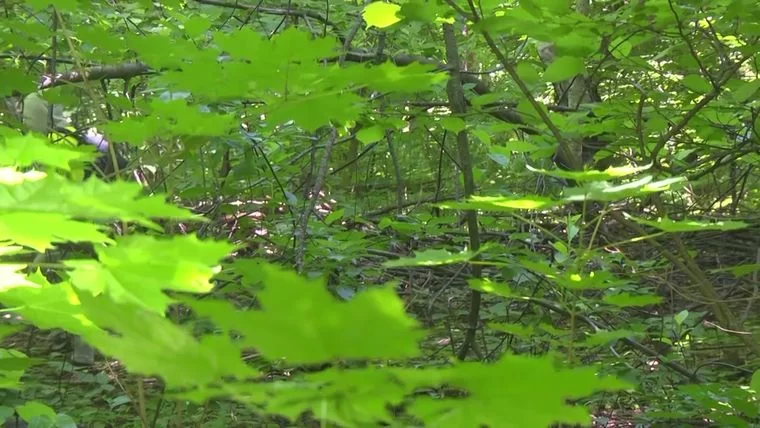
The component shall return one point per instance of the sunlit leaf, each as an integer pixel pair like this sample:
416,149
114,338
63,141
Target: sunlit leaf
303,323
434,257
371,134
487,286
604,191
668,225
591,175
381,14
499,203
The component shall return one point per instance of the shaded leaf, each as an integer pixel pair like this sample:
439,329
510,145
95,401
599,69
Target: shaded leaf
563,68
626,299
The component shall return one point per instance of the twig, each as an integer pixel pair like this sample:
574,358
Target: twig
303,221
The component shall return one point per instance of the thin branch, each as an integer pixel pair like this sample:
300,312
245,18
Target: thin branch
709,97
303,222
304,13
678,368
119,71
350,38
569,157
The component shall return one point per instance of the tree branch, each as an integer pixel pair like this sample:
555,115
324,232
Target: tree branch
479,87
272,11
119,71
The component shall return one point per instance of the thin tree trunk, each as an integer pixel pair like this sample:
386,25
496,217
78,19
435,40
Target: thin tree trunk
303,221
459,107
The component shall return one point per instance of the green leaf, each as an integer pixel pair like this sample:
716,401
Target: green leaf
144,341
604,337
33,409
580,43
335,216
314,111
746,90
538,394
303,323
294,46
755,382
423,11
15,80
558,7
160,50
500,158
93,199
502,203
739,270
626,299
603,191
487,286
354,397
453,124
389,77
171,118
697,83
680,317
573,280
668,225
19,363
563,68
622,47
130,272
12,367
381,14
435,257
26,150
244,43
38,210
482,135
593,175
7,329
153,350
528,73
39,230
371,134
196,25
531,7
64,421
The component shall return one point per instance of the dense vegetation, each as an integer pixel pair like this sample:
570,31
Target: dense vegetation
441,213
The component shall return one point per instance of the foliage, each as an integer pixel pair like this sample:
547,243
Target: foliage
576,208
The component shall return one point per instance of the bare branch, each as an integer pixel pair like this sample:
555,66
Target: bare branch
131,69
119,71
272,11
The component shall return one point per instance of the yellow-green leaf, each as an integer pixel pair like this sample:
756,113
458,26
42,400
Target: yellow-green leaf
381,14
